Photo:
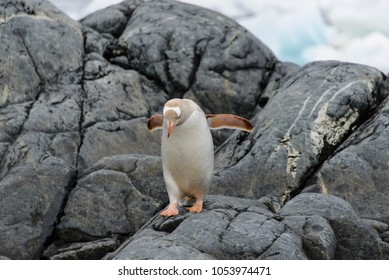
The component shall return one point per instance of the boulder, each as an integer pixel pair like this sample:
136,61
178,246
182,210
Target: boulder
112,199
41,58
93,250
310,226
354,238
229,228
196,53
358,170
302,125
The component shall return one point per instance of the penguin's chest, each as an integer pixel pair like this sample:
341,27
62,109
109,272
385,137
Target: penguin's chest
188,155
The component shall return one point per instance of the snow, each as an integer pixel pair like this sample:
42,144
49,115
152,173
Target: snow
371,49
299,31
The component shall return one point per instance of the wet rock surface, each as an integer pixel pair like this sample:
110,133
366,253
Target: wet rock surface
81,176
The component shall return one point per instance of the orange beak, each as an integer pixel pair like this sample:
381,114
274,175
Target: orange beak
171,126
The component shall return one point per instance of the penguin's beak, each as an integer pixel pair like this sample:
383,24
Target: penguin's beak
171,126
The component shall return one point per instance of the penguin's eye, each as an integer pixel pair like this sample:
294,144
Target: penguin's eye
174,108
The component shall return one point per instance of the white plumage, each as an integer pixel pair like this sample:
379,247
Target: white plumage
187,149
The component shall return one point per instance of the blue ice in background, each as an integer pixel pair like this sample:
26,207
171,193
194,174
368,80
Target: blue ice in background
299,31
288,33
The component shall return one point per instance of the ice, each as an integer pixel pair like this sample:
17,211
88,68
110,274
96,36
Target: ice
371,49
288,35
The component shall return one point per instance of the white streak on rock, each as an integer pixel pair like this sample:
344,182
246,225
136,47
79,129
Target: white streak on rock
326,129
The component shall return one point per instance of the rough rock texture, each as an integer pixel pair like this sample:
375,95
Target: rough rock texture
354,238
113,198
41,58
93,250
80,173
311,114
230,228
236,228
358,171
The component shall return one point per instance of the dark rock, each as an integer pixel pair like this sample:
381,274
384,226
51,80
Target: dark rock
310,226
190,49
40,113
358,170
113,19
309,117
319,240
145,172
380,227
116,196
93,250
287,246
385,236
96,207
229,228
354,238
282,72
116,138
105,203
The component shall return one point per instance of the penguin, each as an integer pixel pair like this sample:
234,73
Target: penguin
187,150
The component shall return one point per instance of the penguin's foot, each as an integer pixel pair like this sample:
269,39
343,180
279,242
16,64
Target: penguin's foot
196,208
171,210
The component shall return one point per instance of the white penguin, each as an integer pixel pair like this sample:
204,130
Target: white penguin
187,149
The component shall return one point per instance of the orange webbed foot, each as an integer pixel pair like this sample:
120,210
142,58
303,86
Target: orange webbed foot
171,210
196,208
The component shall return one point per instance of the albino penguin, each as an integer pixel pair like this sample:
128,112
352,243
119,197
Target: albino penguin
187,149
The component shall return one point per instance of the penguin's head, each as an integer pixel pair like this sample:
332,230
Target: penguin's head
172,114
